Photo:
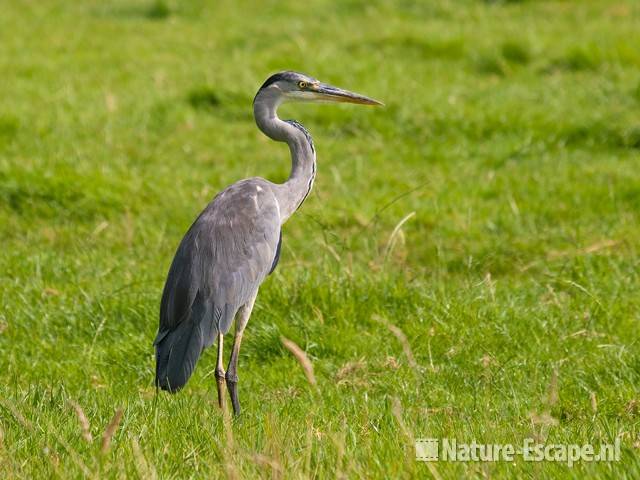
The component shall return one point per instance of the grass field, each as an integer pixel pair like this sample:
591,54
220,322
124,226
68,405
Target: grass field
509,144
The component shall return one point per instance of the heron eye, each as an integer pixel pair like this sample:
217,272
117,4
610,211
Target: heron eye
302,84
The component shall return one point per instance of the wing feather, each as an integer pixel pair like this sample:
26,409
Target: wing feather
218,267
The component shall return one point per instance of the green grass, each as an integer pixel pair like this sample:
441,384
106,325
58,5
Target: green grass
512,130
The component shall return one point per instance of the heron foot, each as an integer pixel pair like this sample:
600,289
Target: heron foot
232,385
220,376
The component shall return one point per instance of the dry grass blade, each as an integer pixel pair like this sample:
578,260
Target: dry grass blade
552,395
393,238
338,441
308,448
349,368
594,402
110,431
229,448
301,357
29,426
396,409
603,244
17,415
632,407
100,227
265,461
142,466
85,427
228,429
72,453
402,338
544,419
332,251
352,373
596,247
229,445
491,285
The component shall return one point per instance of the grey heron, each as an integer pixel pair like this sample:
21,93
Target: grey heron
234,244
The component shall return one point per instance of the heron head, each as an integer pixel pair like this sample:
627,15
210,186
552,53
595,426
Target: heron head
298,87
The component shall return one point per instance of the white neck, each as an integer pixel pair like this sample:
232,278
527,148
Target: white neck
293,192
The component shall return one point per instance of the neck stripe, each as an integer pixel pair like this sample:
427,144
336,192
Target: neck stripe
313,150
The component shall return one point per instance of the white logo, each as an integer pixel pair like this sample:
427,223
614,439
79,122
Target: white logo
430,450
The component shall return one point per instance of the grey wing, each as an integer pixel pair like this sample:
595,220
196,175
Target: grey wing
219,265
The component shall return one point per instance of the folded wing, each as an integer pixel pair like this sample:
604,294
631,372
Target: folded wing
220,263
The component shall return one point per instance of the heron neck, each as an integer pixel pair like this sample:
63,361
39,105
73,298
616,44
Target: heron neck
294,191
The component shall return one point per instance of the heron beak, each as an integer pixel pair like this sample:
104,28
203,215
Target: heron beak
328,93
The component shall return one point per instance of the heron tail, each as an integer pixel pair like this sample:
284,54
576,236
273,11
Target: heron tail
177,353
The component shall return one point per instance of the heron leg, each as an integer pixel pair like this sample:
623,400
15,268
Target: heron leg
220,372
242,318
